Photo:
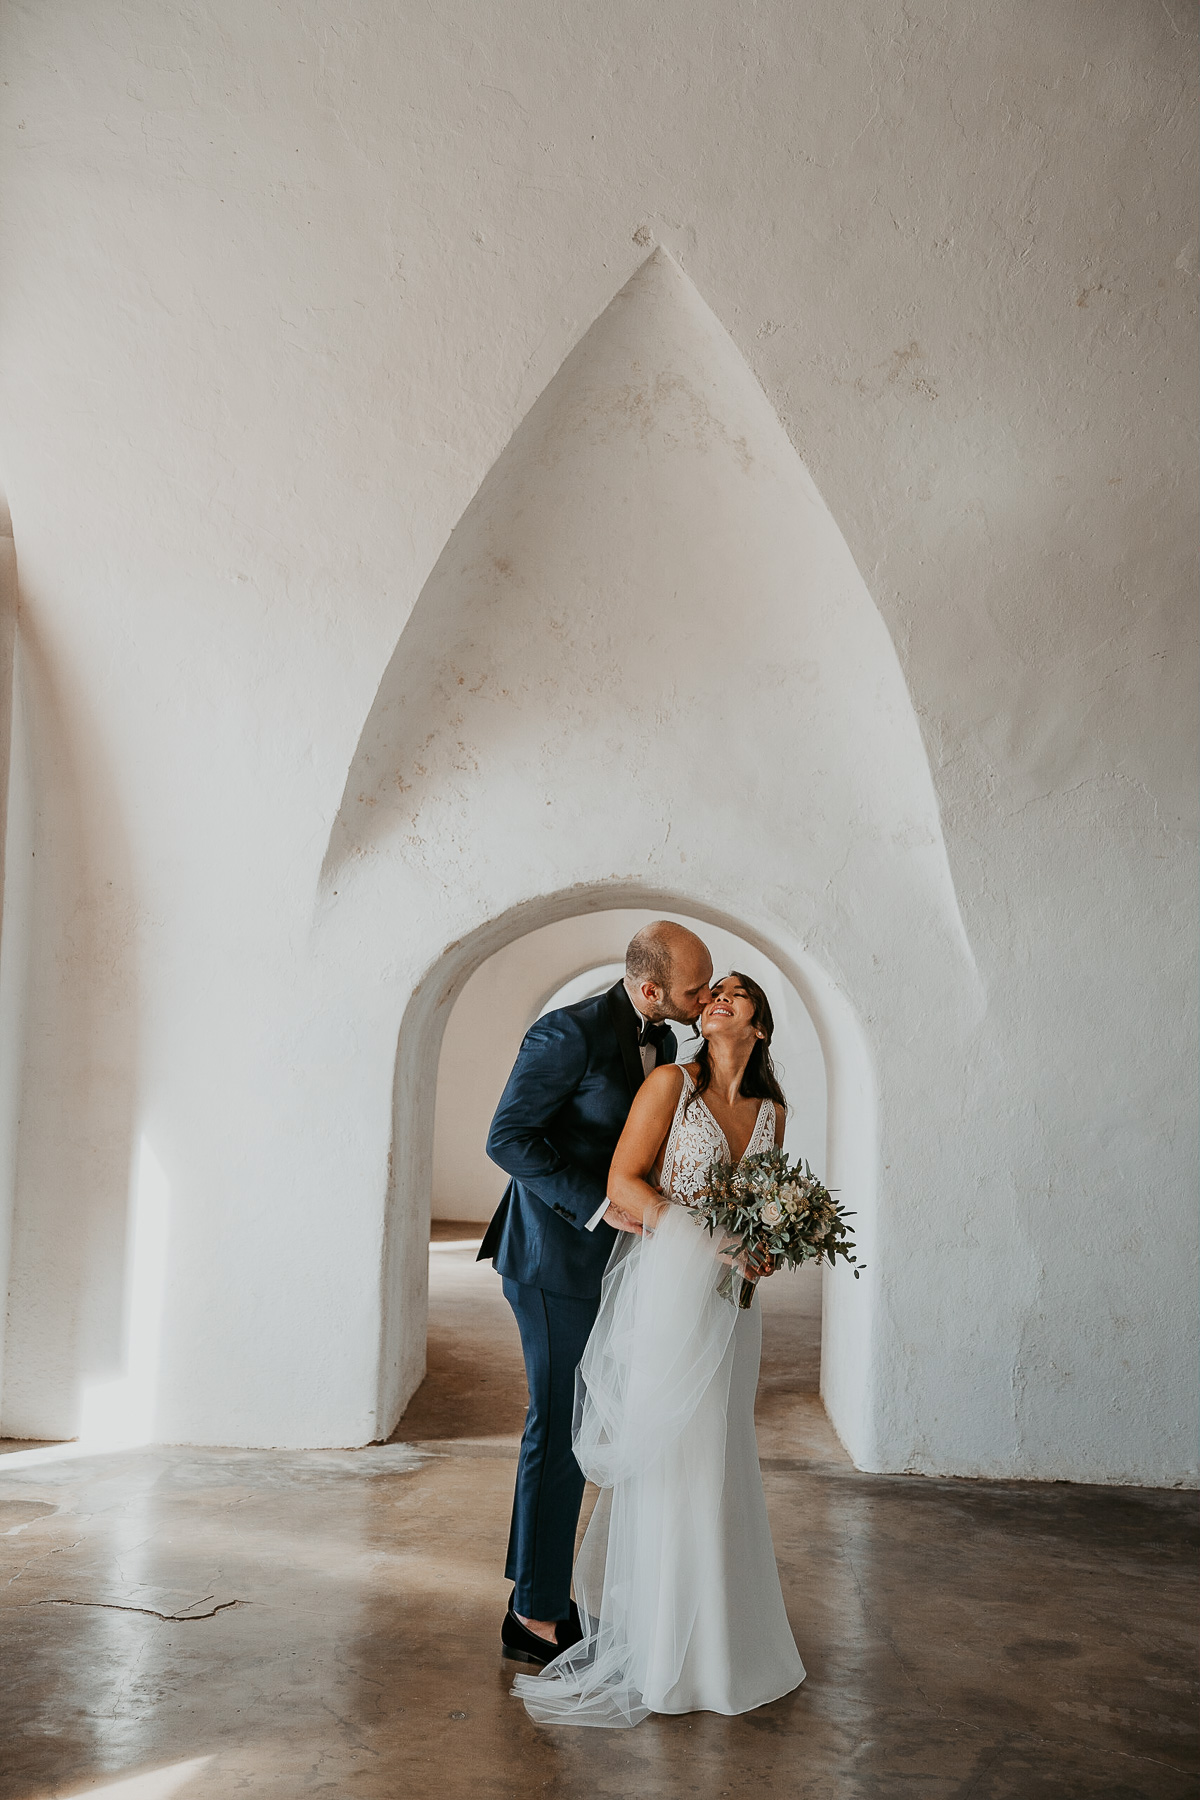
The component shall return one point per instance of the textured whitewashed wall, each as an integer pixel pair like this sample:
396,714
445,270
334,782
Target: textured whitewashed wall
14,900
645,654
280,288
503,997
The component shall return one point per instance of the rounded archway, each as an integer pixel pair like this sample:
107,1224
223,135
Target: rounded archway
555,965
848,1106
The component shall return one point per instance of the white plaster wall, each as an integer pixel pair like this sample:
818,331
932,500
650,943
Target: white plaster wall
552,967
14,903
279,289
649,529
68,1014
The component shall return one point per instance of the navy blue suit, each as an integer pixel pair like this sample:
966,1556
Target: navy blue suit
554,1133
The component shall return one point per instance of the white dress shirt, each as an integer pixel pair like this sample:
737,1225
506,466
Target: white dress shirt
649,1056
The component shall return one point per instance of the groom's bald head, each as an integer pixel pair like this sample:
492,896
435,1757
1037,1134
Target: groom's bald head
667,972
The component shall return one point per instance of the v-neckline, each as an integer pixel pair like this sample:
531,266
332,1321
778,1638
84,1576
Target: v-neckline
753,1130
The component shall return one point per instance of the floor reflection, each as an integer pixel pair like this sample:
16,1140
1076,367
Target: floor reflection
288,1624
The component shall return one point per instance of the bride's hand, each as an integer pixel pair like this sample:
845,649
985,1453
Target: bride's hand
752,1265
758,1264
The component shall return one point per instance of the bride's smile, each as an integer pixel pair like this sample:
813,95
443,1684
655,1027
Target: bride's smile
730,1005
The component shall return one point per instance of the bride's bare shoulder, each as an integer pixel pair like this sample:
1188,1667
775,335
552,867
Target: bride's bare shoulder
659,1094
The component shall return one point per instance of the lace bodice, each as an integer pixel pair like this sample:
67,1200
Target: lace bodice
695,1140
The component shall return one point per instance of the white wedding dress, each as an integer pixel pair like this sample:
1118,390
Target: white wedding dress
676,1581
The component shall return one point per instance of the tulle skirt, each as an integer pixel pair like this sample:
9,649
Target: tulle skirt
676,1581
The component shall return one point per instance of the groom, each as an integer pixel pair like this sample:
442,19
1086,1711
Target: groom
554,1133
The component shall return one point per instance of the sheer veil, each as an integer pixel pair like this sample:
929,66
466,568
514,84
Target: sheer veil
660,1357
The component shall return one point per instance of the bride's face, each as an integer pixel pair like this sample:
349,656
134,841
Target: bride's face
730,1012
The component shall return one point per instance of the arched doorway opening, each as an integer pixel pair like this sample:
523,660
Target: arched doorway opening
460,1033
553,966
474,1385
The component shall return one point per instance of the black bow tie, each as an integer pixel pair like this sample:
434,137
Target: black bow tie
651,1032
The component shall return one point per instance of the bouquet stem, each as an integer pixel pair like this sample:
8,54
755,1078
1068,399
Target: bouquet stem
744,1285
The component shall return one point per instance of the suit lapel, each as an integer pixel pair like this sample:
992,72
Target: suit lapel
621,1013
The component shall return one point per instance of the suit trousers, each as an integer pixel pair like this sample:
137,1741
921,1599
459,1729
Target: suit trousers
541,1542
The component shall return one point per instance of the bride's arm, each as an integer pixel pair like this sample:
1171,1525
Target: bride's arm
641,1143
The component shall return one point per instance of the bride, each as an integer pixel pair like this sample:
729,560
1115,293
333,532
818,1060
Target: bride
676,1582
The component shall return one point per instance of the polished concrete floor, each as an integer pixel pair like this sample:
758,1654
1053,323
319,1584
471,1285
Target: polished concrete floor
217,1623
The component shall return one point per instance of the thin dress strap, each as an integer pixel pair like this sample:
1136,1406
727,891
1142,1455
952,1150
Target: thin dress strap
763,1135
668,1161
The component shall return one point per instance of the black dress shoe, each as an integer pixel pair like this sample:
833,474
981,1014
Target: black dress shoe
569,1631
522,1645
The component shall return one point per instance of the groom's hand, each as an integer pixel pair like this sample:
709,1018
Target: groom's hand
621,1221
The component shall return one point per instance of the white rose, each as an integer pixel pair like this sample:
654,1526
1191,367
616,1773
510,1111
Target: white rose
771,1213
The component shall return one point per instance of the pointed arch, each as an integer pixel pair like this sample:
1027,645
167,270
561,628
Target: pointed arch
648,540
645,665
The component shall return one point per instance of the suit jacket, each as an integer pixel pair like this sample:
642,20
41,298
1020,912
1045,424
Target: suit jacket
554,1133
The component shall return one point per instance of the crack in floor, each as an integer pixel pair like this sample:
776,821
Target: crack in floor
183,1618
886,1636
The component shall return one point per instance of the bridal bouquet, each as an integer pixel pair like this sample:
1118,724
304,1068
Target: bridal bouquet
771,1210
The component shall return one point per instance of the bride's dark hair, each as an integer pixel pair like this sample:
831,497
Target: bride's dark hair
759,1082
